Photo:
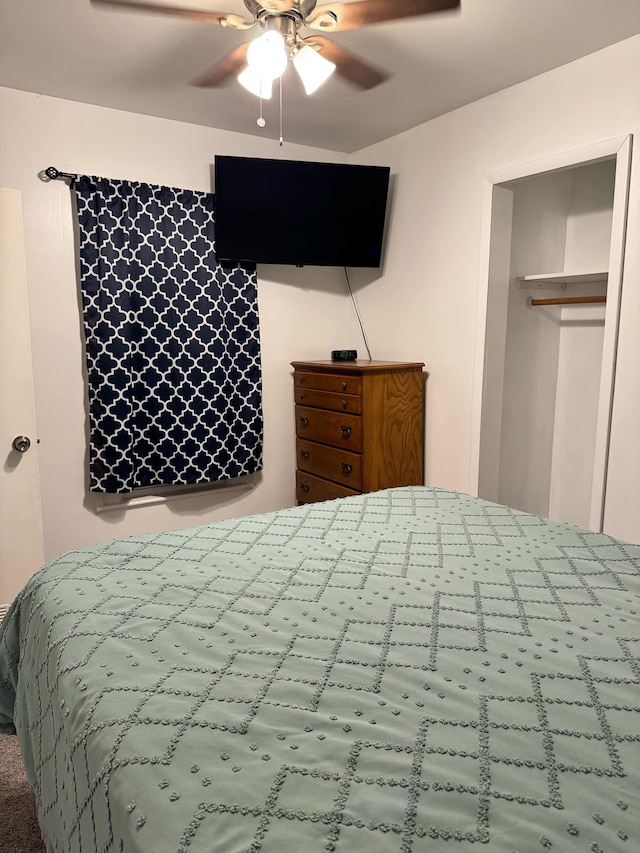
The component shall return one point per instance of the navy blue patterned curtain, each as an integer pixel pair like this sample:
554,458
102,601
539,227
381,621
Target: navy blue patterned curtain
172,340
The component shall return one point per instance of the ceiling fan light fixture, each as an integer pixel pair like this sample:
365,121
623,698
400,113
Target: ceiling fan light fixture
267,55
313,69
253,82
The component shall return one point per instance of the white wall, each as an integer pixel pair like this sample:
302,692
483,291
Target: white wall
425,306
303,312
575,423
532,345
590,216
495,343
590,211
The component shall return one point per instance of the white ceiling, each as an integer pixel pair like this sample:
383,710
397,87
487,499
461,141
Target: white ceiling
142,62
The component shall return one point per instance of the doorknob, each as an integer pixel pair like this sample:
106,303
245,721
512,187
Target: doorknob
21,443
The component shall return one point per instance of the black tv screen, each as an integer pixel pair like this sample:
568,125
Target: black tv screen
298,212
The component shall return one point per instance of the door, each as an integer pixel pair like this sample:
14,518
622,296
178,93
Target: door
21,540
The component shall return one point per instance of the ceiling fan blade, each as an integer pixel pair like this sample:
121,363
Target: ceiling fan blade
348,65
228,67
224,19
334,17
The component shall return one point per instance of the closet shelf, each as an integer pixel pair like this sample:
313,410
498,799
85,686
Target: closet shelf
562,278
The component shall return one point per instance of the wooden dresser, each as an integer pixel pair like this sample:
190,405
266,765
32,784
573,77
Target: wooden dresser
359,427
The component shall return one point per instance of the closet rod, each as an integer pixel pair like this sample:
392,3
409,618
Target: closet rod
565,300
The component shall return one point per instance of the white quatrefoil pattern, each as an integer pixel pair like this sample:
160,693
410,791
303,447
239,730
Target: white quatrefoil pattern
172,340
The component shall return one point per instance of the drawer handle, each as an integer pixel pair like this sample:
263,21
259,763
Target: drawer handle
346,468
302,396
301,380
344,404
346,431
304,488
304,454
344,386
304,421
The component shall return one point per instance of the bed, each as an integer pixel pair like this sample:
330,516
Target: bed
408,670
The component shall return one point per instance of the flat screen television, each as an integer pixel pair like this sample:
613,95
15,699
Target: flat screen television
298,212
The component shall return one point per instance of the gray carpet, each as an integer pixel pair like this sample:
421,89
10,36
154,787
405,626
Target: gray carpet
19,831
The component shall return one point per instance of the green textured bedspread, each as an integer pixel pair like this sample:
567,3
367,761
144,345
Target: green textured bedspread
409,670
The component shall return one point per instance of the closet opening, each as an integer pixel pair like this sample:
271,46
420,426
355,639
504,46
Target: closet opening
555,244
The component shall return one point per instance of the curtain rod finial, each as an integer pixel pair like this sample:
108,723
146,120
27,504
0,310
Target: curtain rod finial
52,174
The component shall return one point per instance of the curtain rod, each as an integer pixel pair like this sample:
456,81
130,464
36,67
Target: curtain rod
53,174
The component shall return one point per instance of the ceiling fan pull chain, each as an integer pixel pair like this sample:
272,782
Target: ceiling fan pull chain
260,122
281,140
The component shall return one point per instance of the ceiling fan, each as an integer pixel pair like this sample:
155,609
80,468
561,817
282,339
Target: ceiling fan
259,62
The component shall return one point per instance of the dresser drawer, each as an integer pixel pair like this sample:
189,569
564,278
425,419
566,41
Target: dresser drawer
334,463
327,382
310,489
328,400
339,430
